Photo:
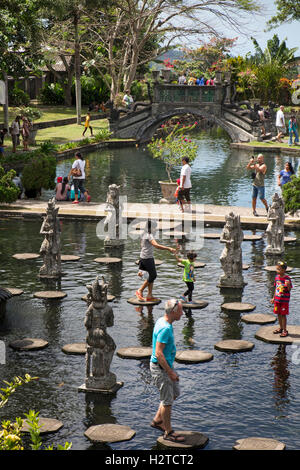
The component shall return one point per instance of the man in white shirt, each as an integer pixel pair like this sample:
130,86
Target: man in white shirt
15,133
185,184
280,124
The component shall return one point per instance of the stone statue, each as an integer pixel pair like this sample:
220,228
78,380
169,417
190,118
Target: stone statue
112,222
231,257
275,229
50,248
100,346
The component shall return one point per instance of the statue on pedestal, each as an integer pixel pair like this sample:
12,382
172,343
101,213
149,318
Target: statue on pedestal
275,229
231,257
100,346
50,248
112,222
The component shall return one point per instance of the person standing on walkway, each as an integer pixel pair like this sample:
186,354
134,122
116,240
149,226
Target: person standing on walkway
15,133
25,132
285,175
87,124
185,184
78,173
161,366
293,129
280,124
259,170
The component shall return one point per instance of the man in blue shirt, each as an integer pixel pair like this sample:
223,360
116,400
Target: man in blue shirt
161,366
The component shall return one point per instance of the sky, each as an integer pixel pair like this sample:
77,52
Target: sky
256,28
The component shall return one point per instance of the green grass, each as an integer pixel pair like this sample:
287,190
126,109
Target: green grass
64,134
256,143
50,113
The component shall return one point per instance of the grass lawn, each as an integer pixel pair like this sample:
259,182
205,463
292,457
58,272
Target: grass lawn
64,134
50,113
256,143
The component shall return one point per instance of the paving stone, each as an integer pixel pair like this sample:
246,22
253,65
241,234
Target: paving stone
28,344
210,236
193,440
107,260
14,291
134,353
136,301
259,318
238,307
69,258
265,333
258,443
252,238
26,256
192,356
234,345
109,433
290,239
50,295
74,348
246,266
48,425
195,305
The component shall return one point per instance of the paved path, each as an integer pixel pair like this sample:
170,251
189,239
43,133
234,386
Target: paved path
213,214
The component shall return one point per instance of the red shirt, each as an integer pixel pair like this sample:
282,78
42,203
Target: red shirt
282,293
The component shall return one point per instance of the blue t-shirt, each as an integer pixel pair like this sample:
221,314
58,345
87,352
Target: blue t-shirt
285,177
163,333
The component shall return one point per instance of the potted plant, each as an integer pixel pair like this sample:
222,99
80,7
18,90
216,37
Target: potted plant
39,174
171,150
31,114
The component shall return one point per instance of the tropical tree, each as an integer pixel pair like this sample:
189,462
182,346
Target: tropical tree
275,52
287,11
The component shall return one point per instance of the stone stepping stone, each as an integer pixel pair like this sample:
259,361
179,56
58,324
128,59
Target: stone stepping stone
50,295
69,258
157,262
265,333
136,301
259,318
193,440
26,256
110,297
135,353
108,260
258,443
197,264
48,425
14,291
74,348
238,307
192,356
196,304
272,269
109,433
234,345
28,344
210,236
252,238
290,239
246,266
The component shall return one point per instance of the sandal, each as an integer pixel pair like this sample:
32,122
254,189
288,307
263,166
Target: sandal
157,425
276,332
171,436
284,333
152,299
139,296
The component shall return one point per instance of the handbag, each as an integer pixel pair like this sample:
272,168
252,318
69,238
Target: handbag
76,172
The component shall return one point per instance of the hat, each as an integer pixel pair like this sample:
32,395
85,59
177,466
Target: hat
59,179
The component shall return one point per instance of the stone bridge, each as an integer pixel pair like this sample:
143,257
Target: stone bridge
209,102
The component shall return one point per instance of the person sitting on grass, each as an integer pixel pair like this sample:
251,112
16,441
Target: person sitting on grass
188,275
281,298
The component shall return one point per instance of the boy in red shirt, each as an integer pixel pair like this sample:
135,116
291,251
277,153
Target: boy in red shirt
281,298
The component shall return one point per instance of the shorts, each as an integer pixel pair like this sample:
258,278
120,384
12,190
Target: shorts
281,130
79,184
168,389
281,308
15,139
258,190
148,265
184,193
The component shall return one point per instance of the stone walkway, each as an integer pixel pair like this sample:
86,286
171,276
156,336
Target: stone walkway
213,215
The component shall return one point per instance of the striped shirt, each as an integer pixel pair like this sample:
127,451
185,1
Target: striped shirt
282,293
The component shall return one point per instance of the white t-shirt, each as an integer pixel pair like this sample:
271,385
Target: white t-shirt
280,122
81,165
146,246
186,171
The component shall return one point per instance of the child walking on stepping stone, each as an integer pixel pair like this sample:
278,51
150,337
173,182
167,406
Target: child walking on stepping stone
188,275
281,298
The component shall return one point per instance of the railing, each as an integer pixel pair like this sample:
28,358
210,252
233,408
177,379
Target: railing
185,94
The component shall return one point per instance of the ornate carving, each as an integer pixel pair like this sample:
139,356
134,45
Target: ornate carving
115,208
275,229
50,248
231,257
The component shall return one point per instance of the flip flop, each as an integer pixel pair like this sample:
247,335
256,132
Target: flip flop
139,296
151,299
171,436
157,425
276,332
284,334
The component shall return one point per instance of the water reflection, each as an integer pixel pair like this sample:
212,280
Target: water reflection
281,386
145,325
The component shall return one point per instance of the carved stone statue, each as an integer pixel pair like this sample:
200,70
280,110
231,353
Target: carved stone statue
112,222
231,257
275,229
50,248
100,346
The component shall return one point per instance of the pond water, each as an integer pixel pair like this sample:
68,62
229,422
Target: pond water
255,393
219,174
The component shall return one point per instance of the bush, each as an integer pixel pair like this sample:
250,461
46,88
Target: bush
39,173
103,134
8,190
18,97
92,90
52,93
291,195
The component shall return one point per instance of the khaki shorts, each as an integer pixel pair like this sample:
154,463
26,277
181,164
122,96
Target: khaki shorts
168,389
281,130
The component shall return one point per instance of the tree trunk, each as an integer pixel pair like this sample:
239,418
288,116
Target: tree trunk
77,71
5,106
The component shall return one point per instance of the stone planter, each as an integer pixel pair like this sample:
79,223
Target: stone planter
168,189
32,136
